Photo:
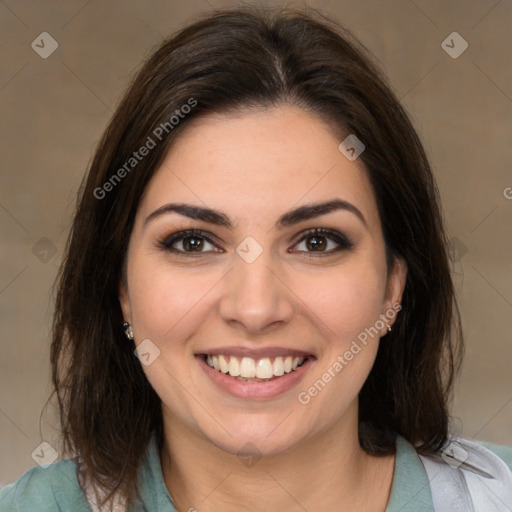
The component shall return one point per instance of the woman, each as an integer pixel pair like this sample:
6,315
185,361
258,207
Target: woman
255,311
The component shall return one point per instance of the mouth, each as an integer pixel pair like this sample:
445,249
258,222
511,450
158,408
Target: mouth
255,374
248,369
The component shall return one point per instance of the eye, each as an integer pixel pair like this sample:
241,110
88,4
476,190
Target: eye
323,241
189,242
194,242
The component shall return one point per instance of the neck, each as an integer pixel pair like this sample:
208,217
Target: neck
324,472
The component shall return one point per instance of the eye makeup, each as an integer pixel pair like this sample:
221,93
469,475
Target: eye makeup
197,239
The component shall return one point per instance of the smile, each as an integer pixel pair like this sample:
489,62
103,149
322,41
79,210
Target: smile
254,370
255,374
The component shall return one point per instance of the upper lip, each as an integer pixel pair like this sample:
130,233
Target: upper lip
255,353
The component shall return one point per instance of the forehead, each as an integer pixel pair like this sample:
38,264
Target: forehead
257,164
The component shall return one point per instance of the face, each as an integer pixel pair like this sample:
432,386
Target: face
264,284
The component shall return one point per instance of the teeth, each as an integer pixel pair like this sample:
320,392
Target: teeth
264,369
278,367
234,367
248,368
224,368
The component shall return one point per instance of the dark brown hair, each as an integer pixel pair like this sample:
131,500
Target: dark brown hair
226,61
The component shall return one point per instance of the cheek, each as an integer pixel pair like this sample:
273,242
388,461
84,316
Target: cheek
345,300
347,307
168,303
167,307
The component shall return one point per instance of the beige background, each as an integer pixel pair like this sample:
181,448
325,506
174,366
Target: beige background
54,111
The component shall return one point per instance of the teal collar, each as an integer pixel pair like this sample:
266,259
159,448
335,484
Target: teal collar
154,493
410,491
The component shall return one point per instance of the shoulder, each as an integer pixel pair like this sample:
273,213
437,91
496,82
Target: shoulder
49,489
504,452
469,471
489,458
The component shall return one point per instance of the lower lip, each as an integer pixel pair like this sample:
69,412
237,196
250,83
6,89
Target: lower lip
255,390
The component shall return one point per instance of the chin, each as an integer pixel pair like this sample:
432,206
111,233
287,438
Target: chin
250,438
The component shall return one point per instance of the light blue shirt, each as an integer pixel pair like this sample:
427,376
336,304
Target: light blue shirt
56,488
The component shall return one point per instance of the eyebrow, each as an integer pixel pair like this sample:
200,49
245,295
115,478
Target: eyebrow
300,214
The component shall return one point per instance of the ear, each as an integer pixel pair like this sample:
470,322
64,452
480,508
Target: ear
124,300
395,287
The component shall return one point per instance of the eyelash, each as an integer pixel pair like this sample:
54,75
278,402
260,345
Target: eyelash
343,242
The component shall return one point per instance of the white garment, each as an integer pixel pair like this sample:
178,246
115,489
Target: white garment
467,477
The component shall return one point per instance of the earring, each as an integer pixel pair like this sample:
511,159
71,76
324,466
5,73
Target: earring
128,330
389,328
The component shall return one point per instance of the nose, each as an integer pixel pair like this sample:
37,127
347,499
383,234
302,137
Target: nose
256,296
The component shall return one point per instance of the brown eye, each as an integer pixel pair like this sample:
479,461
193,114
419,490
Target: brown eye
323,241
190,241
316,243
194,243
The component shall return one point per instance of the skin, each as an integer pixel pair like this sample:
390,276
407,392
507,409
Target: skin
254,166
